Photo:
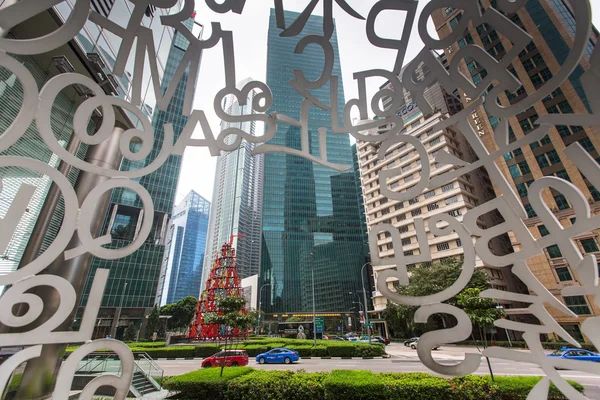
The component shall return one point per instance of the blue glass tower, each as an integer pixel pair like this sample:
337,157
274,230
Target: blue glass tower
311,223
181,275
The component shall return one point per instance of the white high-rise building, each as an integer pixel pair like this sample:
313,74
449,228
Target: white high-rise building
237,196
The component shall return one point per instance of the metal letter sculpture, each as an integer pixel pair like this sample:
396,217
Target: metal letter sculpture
37,107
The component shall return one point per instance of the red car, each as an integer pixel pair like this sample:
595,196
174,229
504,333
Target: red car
229,358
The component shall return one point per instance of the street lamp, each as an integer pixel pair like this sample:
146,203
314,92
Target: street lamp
260,303
365,299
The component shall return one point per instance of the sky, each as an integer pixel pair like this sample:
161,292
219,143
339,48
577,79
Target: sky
250,45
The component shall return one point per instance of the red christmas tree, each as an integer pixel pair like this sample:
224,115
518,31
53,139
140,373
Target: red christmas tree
223,280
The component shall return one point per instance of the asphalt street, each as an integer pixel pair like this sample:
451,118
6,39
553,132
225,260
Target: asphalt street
404,359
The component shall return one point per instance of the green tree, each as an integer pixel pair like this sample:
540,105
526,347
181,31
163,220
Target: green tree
153,321
130,333
231,317
181,313
425,281
295,318
481,311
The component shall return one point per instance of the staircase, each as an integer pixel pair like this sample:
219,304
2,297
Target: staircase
146,374
142,384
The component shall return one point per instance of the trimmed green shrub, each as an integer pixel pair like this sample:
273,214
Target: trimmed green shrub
254,349
204,383
248,384
167,352
303,351
319,351
517,387
341,350
206,350
277,385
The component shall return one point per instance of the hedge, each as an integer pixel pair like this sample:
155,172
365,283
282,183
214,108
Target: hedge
206,383
324,348
248,384
517,389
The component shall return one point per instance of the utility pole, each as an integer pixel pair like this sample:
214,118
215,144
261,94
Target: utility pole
312,264
365,300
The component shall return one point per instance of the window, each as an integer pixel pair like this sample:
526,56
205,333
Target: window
563,130
563,175
553,157
447,187
530,212
565,107
400,217
564,274
443,246
449,10
587,144
522,189
430,194
399,206
524,167
451,200
416,212
408,253
432,206
577,304
561,202
434,141
514,171
455,213
594,192
413,201
406,242
589,245
542,161
454,21
543,230
403,229
458,243
554,251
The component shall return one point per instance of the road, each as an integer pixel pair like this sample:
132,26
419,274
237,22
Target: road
404,359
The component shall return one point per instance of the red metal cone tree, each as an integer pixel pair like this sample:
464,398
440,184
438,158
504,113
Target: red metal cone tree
223,280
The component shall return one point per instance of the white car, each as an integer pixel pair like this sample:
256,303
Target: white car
414,345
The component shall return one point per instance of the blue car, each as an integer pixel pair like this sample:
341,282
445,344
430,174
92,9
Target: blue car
575,354
279,355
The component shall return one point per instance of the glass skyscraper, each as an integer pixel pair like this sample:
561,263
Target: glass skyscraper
237,196
311,223
181,273
133,280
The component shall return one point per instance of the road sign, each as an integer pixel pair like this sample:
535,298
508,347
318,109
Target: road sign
320,324
368,324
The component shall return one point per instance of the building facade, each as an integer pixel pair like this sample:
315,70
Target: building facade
551,25
454,198
131,290
311,230
181,272
237,195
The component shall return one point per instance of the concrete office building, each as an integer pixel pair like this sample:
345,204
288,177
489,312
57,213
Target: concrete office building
181,272
237,196
551,24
